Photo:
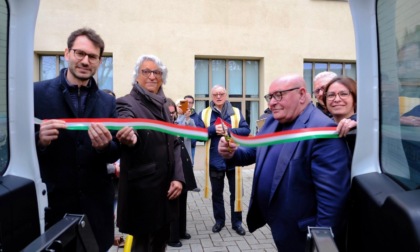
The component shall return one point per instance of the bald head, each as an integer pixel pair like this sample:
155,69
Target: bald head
289,97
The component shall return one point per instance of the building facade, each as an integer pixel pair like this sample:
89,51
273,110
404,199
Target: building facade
241,44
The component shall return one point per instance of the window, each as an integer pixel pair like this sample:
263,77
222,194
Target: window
50,66
399,66
4,144
241,79
312,68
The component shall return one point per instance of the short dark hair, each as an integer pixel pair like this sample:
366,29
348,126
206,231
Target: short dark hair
189,96
90,34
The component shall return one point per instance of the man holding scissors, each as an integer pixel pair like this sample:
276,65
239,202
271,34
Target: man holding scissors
297,184
219,118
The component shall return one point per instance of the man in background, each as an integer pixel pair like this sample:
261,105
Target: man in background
320,81
219,118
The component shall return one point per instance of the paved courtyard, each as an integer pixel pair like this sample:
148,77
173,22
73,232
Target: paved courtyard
200,222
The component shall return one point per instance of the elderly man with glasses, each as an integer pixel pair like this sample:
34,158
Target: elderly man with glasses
320,81
219,119
297,184
151,176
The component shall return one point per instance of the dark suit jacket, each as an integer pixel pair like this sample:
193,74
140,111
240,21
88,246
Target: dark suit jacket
187,166
148,168
310,184
74,172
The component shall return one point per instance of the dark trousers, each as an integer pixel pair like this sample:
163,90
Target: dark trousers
152,242
179,225
217,180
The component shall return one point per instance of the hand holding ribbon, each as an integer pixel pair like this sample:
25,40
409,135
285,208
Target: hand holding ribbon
127,136
49,131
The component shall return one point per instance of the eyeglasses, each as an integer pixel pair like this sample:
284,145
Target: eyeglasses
316,91
342,94
219,94
79,55
147,73
278,95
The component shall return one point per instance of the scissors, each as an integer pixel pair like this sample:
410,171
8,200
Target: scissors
227,136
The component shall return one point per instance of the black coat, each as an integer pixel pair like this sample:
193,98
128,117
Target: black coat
187,166
74,172
148,168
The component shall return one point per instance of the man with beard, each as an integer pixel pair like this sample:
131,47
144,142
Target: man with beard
73,164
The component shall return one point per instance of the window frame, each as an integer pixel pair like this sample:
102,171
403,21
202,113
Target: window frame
246,101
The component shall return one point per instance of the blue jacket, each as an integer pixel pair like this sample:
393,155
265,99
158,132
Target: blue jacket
194,116
216,161
74,172
309,187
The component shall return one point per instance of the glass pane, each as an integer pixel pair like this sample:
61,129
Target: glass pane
200,105
201,78
350,69
399,54
307,75
251,115
62,63
4,143
252,78
105,74
218,72
48,67
235,78
320,67
336,68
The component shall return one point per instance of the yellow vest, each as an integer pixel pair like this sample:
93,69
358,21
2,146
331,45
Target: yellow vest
234,119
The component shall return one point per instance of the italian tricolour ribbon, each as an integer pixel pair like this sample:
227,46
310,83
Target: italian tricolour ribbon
137,123
286,136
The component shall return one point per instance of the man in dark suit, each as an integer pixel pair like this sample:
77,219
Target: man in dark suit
151,175
296,184
73,164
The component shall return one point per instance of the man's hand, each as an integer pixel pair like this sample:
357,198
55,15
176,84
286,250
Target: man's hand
220,129
179,110
127,136
226,149
99,135
344,126
48,131
174,190
410,120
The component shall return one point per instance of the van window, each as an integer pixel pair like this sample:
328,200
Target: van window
399,53
4,145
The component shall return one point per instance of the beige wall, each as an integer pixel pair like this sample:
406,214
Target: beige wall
280,32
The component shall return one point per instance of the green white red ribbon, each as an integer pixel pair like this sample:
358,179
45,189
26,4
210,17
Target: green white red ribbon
138,124
286,136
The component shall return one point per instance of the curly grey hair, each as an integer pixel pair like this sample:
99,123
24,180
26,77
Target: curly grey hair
154,59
